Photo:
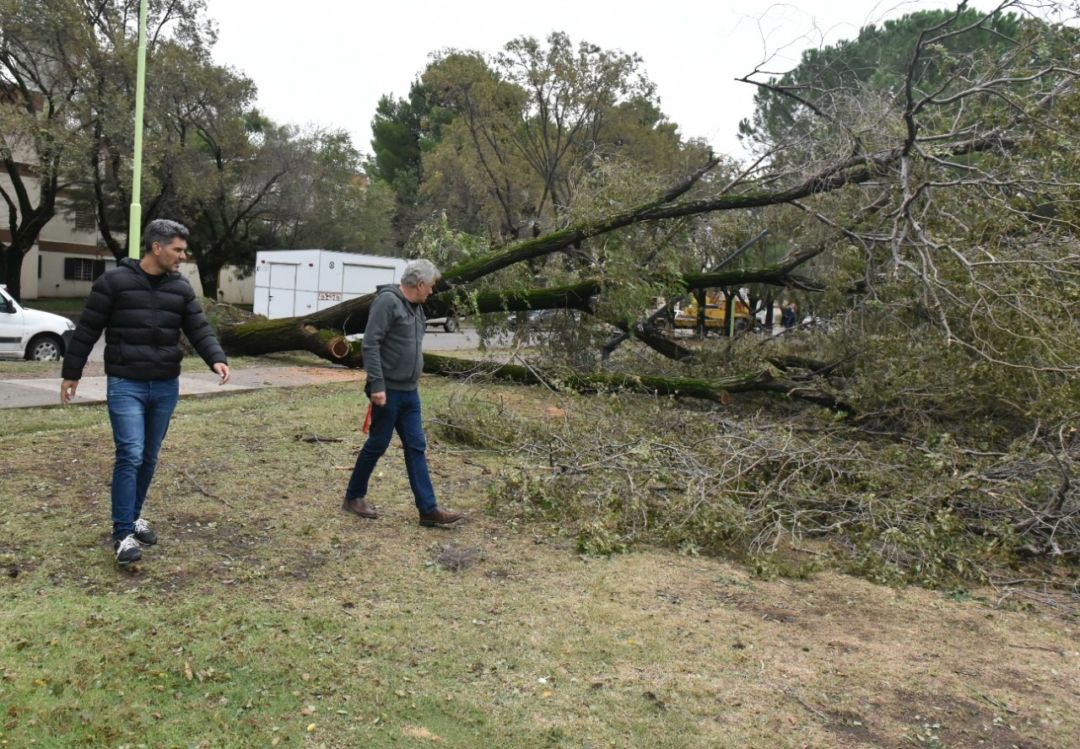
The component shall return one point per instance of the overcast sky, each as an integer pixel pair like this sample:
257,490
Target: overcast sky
327,62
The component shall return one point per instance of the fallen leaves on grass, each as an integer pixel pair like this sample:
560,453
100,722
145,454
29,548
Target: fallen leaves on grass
419,732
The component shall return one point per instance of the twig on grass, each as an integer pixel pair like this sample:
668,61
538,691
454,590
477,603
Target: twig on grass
204,492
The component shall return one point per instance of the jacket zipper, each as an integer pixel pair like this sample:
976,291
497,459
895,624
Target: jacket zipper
153,306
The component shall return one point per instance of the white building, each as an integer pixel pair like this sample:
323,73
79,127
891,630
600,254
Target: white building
291,283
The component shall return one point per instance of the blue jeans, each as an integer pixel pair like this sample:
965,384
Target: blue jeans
140,411
401,412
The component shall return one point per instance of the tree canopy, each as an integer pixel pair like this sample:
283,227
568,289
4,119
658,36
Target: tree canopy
67,73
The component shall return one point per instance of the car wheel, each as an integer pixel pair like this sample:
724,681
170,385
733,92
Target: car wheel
451,325
45,348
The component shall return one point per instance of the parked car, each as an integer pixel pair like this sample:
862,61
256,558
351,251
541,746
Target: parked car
30,333
449,324
537,316
715,313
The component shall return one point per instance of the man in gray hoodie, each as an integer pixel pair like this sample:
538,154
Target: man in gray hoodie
394,360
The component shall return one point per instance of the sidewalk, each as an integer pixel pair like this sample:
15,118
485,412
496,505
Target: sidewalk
33,393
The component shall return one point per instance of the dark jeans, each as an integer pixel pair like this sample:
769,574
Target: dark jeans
401,412
140,411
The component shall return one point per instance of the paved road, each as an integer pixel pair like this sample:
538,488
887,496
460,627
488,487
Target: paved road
434,340
197,380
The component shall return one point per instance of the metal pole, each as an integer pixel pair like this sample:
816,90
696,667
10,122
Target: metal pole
135,214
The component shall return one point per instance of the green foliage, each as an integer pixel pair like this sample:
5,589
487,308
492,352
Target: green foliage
49,55
327,201
499,142
620,472
967,262
436,241
237,180
877,61
402,132
1010,340
488,426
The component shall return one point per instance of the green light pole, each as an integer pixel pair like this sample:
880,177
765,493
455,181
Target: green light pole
135,215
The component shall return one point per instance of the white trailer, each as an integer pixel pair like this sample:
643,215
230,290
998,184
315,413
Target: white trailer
291,283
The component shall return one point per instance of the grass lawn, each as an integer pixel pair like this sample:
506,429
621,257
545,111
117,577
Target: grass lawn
58,305
267,617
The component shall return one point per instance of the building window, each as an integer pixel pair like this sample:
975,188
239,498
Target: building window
82,269
39,265
85,218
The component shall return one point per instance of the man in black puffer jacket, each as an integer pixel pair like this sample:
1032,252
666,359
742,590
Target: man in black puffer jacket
142,306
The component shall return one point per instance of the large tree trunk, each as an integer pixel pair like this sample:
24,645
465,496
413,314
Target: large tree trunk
305,333
13,255
715,390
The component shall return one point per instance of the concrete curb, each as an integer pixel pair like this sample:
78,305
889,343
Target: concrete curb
45,392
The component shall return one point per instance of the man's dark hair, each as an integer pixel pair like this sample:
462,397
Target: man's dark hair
163,231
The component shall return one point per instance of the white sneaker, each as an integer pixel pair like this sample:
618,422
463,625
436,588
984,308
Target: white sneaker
143,534
127,550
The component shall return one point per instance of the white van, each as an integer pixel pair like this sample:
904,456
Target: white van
30,333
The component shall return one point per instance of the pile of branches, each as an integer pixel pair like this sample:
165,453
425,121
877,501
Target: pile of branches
626,471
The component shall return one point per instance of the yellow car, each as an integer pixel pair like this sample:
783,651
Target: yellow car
715,313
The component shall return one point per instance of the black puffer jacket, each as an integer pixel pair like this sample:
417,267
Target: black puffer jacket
142,323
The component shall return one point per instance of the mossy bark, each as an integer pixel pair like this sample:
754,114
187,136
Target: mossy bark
716,390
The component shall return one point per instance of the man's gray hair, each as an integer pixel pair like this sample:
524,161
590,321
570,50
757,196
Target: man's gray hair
163,231
420,271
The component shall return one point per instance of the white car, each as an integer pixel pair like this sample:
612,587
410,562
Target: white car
30,333
449,324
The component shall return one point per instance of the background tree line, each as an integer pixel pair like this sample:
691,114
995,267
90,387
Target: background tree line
241,181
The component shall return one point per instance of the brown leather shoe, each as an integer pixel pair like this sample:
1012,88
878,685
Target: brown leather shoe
359,507
440,517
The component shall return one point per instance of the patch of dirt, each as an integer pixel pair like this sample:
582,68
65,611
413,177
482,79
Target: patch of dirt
950,721
14,562
853,725
769,612
455,558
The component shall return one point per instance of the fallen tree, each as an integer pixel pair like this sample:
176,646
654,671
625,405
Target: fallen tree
897,196
311,332
323,334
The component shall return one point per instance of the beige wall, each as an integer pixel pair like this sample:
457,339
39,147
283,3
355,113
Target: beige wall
52,282
190,271
235,290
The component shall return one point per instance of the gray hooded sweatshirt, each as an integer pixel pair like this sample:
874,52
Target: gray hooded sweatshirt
392,341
